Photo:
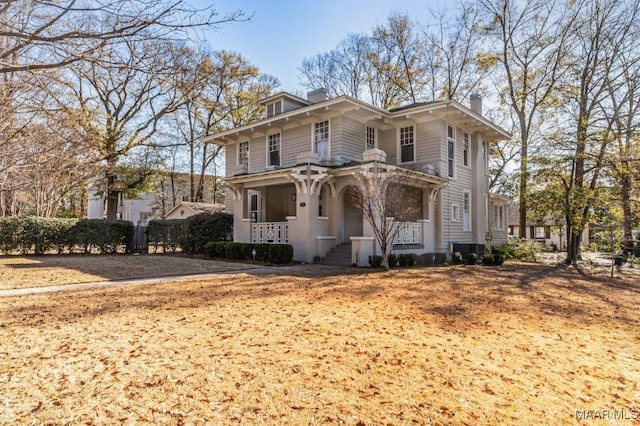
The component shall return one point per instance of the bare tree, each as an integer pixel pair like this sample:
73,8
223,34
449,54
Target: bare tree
380,191
121,103
532,41
453,69
623,111
603,33
220,90
44,34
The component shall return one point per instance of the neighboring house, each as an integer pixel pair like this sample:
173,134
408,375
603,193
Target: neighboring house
186,209
171,190
551,231
288,175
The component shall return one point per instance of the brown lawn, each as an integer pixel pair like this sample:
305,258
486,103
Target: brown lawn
518,344
39,271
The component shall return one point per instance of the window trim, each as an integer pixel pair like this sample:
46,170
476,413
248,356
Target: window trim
413,143
313,138
466,213
455,208
268,149
239,151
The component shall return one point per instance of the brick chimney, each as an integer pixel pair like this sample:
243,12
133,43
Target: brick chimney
317,95
476,102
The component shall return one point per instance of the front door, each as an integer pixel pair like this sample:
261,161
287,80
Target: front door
255,205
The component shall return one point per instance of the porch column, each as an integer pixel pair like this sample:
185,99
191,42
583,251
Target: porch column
241,225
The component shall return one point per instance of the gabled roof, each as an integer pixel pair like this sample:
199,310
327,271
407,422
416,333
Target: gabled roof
450,111
285,95
197,207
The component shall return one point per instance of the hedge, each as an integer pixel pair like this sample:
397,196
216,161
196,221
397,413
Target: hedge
35,235
273,253
205,227
167,234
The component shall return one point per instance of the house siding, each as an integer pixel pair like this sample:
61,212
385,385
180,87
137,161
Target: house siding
295,141
351,140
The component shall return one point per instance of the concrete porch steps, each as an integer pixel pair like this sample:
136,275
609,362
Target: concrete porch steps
338,256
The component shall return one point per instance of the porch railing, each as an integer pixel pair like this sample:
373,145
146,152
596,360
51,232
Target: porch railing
270,233
408,233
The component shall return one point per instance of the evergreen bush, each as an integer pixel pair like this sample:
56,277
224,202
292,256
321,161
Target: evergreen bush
375,261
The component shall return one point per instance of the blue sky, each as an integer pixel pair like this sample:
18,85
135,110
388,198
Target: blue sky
283,32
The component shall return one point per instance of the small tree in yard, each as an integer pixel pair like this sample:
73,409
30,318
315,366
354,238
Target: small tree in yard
385,202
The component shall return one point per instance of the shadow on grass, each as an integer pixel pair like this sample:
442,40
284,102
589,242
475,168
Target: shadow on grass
457,296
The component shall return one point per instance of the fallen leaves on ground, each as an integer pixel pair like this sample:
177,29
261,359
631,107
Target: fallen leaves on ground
445,345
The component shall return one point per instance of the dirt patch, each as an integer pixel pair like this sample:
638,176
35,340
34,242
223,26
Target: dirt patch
445,345
38,271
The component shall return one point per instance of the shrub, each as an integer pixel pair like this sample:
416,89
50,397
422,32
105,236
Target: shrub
498,259
375,261
407,259
488,259
166,234
440,258
280,253
205,227
472,258
234,250
262,252
426,259
392,260
456,258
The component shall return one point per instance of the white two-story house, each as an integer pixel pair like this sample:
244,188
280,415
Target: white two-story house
289,175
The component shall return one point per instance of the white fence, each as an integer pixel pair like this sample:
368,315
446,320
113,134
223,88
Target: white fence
270,233
408,233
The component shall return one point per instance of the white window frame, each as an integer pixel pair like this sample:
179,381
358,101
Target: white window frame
536,232
271,108
451,152
455,213
240,144
466,211
498,217
270,137
412,144
465,150
314,142
373,134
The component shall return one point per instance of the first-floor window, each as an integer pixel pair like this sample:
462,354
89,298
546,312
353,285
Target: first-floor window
466,211
455,213
406,144
243,153
498,217
274,149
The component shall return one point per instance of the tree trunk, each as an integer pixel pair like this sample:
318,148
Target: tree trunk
111,192
625,190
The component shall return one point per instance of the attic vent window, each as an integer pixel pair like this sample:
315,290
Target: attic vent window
274,108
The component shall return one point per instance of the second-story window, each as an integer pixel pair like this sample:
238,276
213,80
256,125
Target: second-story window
274,150
321,139
406,144
465,149
451,152
243,153
371,137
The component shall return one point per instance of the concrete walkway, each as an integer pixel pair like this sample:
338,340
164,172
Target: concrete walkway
151,280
